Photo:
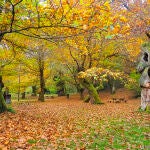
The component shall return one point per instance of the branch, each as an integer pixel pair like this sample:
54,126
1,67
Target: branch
7,62
18,2
1,37
74,75
23,48
13,13
75,60
148,34
38,27
112,55
38,14
51,38
13,17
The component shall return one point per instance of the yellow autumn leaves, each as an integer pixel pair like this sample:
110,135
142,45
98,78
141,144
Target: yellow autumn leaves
100,74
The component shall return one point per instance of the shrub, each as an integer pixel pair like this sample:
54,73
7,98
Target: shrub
133,83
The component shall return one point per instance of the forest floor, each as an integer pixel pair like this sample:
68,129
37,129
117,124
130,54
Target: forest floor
71,124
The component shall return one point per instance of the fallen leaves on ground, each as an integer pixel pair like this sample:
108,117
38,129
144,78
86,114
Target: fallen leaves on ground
62,123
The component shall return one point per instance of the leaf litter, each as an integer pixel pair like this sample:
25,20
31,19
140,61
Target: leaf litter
71,124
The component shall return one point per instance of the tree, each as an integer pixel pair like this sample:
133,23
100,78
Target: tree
7,55
91,34
144,68
104,44
136,15
28,17
3,106
37,59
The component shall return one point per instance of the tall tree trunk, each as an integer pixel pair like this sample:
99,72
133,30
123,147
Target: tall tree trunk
3,106
23,95
145,101
1,37
42,86
112,85
19,81
81,92
113,88
94,97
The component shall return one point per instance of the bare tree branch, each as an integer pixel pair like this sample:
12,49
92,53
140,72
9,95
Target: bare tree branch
78,66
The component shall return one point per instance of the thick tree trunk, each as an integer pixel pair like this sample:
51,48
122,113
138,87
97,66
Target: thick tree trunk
42,86
94,97
145,98
1,37
81,94
3,106
80,91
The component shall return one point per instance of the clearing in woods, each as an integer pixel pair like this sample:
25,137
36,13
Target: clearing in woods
62,123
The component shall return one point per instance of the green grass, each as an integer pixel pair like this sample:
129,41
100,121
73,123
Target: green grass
32,141
10,109
119,135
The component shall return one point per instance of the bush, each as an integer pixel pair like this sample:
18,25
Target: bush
133,83
53,91
10,109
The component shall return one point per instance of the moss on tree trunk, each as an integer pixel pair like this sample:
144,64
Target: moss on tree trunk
3,106
93,94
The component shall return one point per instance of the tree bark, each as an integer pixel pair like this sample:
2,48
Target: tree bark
113,88
3,106
42,86
94,97
1,37
80,90
23,95
145,98
112,85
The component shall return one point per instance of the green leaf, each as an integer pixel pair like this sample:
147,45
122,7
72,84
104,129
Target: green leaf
108,37
75,23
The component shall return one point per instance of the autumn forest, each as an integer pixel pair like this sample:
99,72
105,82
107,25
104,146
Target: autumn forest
74,74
